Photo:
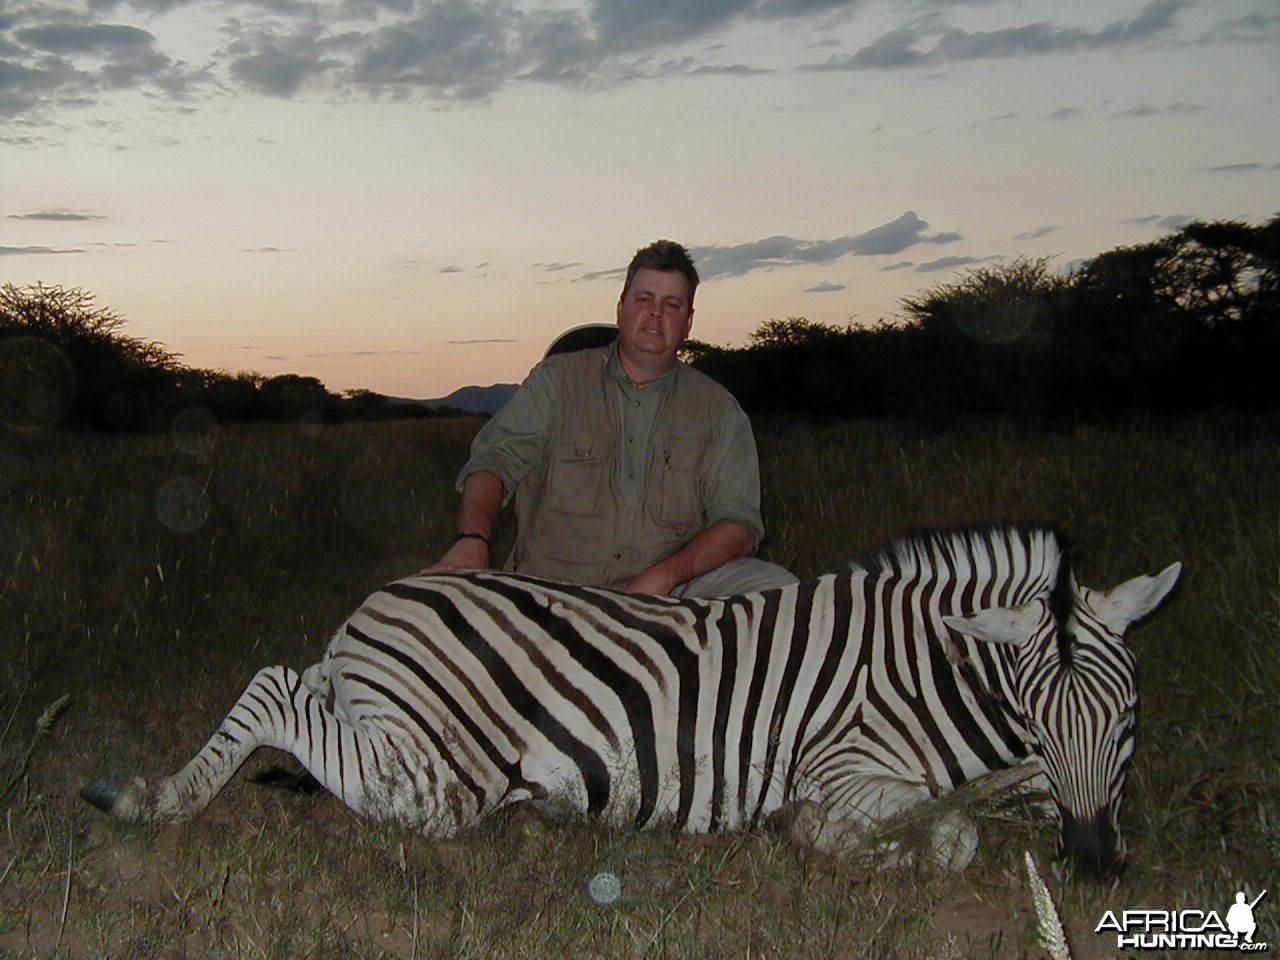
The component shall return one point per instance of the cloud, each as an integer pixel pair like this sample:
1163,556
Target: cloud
1253,27
35,251
279,65
1036,234
1143,110
55,216
104,40
893,237
636,25
1175,221
73,61
614,273
953,263
929,42
826,288
75,53
452,49
728,70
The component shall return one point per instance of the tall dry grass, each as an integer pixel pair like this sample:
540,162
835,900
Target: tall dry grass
148,578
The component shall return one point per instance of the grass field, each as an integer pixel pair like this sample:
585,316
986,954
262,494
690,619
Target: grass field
146,579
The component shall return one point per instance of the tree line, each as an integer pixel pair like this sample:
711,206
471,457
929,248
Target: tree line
1188,321
64,359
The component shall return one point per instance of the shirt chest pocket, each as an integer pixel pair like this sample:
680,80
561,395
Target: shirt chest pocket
576,473
677,472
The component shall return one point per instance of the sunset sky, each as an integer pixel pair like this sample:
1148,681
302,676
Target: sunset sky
414,195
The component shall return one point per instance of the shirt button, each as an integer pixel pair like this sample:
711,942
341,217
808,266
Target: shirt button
617,556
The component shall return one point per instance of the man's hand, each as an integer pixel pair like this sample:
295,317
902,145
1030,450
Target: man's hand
469,553
708,550
654,580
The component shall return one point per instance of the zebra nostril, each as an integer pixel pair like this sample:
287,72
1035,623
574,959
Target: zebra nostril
1091,846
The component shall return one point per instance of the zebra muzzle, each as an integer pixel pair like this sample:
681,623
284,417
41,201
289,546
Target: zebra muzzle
1091,847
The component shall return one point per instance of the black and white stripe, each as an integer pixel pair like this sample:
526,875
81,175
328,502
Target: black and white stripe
943,657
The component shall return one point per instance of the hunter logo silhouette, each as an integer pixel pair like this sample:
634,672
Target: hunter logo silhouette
1240,917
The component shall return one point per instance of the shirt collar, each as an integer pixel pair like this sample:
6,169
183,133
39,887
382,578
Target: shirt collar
663,384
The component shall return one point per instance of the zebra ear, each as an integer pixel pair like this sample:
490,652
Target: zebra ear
1134,599
1013,625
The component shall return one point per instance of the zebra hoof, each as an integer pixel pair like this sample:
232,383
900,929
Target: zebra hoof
115,794
953,842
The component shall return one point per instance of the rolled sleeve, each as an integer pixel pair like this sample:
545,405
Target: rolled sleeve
516,437
731,489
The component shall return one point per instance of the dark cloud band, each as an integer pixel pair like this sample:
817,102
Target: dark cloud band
464,51
887,239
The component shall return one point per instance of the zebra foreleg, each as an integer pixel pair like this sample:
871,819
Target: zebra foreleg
873,825
276,710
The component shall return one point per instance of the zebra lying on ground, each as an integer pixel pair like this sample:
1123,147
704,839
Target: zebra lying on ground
840,701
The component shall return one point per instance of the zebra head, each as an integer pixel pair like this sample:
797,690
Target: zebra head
1072,683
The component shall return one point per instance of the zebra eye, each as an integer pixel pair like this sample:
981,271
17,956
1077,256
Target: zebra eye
1123,724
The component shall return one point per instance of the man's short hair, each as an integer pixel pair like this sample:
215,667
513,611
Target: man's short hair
667,256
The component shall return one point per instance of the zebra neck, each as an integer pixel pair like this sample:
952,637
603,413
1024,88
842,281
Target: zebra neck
988,673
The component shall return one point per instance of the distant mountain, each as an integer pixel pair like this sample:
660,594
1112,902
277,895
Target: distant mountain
489,400
486,400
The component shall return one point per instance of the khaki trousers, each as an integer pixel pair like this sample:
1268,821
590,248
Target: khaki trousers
743,575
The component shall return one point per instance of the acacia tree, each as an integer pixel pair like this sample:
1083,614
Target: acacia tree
792,332
117,379
55,310
1223,272
1005,303
1188,319
983,341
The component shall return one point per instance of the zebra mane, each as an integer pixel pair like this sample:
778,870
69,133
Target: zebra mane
1040,550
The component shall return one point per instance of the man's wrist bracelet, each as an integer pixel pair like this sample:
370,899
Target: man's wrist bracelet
474,536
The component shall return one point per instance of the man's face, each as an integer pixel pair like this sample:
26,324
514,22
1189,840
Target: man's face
654,316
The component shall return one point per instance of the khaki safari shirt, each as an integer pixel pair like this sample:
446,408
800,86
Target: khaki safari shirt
610,476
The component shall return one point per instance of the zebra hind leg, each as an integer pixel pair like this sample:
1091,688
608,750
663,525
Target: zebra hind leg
276,710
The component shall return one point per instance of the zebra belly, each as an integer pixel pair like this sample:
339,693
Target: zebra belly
464,760
556,710
559,787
